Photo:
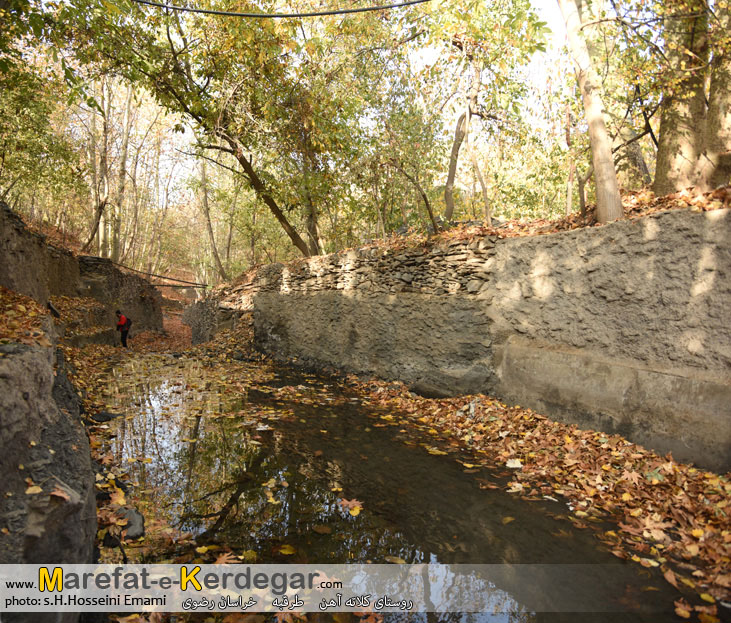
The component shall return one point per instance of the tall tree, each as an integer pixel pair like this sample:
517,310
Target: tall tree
714,160
207,215
609,202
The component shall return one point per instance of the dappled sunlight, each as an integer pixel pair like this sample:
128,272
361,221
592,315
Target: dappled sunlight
705,272
541,280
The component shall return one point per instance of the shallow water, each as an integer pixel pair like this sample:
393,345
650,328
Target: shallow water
258,458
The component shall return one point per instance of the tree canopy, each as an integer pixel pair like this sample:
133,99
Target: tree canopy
325,132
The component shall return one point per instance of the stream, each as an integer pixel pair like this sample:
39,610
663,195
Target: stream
284,467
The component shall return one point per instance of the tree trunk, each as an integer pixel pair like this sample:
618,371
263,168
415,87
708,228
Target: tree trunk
104,168
627,141
313,232
478,173
683,108
713,168
117,220
570,188
263,193
453,158
570,163
472,106
581,183
427,204
609,202
100,178
207,214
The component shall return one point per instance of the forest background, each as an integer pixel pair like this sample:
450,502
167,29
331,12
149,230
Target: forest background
200,145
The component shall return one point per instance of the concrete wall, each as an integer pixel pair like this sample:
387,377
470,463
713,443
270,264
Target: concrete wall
623,327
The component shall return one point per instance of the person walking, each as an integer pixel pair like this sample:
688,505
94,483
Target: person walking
123,325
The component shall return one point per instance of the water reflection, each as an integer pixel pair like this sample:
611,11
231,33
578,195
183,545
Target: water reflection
270,462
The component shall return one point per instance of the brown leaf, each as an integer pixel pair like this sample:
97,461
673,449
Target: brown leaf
118,497
670,577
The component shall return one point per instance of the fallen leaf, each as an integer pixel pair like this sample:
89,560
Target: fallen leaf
117,497
227,558
682,609
670,577
60,493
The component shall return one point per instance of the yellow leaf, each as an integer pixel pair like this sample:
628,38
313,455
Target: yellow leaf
507,520
355,511
626,497
395,560
118,497
202,549
697,533
33,490
288,550
708,598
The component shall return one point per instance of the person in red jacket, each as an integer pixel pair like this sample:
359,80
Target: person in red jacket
123,324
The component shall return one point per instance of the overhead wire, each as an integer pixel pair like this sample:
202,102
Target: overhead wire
185,9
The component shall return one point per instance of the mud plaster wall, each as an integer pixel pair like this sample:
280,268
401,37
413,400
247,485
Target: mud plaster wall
623,328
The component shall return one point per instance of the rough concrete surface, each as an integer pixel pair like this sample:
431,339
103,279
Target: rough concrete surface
623,327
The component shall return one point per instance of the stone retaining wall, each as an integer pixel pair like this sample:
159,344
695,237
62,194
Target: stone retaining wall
623,327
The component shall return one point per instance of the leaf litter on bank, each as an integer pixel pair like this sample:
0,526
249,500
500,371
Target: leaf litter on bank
21,319
667,514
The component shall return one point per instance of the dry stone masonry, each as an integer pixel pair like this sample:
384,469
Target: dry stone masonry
623,328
